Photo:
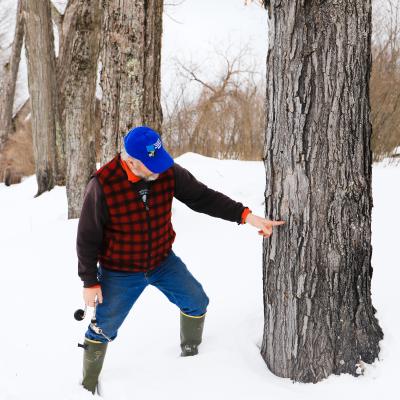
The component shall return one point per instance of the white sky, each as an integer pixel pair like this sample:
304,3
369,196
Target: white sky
205,25
200,24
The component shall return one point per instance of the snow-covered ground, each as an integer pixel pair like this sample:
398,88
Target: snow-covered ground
40,289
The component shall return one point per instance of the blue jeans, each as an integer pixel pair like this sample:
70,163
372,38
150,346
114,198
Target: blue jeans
121,289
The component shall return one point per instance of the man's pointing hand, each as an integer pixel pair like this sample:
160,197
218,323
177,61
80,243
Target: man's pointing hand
264,225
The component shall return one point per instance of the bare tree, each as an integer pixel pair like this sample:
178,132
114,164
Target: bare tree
385,79
42,88
227,118
7,90
130,77
8,79
319,318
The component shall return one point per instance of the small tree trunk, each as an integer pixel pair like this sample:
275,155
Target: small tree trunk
64,27
7,86
42,88
319,318
152,111
130,76
82,21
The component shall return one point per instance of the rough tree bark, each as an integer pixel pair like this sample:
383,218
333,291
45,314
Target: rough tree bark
61,66
319,318
130,77
81,42
42,88
7,86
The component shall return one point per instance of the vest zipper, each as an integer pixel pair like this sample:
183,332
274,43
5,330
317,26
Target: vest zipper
146,205
145,201
149,230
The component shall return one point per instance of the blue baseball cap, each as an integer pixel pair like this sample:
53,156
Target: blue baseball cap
144,144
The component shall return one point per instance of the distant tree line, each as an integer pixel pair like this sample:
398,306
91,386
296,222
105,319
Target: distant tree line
227,118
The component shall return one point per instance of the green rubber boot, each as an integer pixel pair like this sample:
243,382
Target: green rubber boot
93,357
191,333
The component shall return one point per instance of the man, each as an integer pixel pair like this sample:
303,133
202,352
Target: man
125,226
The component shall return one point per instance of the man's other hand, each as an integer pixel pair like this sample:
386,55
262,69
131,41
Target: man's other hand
264,225
90,294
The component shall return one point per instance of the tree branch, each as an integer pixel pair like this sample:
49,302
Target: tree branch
195,77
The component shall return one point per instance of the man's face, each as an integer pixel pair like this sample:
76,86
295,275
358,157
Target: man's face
139,169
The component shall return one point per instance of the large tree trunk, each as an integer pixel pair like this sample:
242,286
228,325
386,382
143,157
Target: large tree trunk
42,88
319,319
81,42
130,77
7,86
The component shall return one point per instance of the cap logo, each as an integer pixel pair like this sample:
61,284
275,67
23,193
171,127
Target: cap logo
157,144
151,149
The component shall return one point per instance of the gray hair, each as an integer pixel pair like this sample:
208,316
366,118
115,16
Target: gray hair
124,154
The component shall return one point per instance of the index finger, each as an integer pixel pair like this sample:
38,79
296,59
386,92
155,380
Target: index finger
100,297
276,223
